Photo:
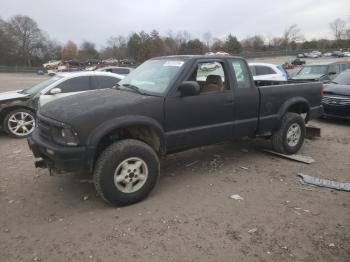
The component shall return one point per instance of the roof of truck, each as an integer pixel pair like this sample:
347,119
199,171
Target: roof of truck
188,57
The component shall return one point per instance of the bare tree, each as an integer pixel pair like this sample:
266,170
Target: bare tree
253,43
70,51
292,34
26,34
207,37
338,28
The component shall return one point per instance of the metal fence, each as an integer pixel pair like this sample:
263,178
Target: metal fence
245,54
19,69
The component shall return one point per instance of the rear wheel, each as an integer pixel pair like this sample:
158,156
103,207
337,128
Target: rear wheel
126,172
289,138
19,123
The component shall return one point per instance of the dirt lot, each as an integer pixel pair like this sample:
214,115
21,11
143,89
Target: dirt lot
190,215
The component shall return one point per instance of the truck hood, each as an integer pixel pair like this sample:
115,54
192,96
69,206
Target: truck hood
308,77
90,109
11,95
336,89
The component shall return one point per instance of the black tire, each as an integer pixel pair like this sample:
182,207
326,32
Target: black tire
7,119
279,138
108,162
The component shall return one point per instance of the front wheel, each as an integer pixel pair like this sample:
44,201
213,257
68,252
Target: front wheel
19,123
126,172
289,138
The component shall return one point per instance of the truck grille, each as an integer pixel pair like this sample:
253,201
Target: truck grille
336,100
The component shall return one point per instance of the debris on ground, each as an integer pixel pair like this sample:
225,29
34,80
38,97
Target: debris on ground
331,245
192,163
236,197
299,158
244,168
324,182
17,151
85,198
253,230
244,150
312,132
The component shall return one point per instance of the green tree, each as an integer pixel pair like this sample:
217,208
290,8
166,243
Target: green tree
87,51
232,45
192,47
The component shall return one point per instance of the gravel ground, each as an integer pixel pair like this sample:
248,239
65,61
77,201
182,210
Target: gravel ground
190,215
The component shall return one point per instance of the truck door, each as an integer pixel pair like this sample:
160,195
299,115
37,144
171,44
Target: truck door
245,98
204,118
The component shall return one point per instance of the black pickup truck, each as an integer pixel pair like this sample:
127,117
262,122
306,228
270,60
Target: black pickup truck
166,105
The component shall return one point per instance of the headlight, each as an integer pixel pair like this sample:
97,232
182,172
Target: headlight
65,136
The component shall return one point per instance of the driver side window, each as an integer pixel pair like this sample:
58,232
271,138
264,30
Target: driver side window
210,76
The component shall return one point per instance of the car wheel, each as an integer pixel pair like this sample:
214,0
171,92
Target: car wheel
126,172
289,138
19,123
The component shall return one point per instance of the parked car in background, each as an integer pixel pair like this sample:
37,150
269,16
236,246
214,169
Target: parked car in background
327,54
337,54
17,108
321,72
269,72
314,54
301,55
346,53
297,62
336,98
116,70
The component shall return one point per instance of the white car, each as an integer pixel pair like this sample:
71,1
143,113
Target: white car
346,53
116,70
67,84
268,72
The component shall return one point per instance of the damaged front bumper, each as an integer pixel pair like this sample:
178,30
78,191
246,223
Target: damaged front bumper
58,157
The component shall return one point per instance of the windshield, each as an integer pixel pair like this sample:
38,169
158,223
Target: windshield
37,88
343,78
153,76
313,70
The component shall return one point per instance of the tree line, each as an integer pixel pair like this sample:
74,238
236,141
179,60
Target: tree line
23,43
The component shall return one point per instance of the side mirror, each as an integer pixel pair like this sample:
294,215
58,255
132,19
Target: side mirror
332,73
189,88
55,91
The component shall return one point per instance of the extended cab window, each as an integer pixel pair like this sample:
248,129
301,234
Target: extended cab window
241,73
210,76
76,84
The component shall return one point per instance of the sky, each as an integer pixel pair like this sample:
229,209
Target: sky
96,21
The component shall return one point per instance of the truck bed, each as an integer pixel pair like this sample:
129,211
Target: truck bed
274,96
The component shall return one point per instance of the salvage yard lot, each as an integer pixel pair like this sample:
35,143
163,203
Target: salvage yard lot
190,215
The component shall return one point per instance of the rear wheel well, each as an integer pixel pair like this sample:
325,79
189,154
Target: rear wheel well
139,132
300,108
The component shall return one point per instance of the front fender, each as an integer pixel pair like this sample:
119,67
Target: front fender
100,131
